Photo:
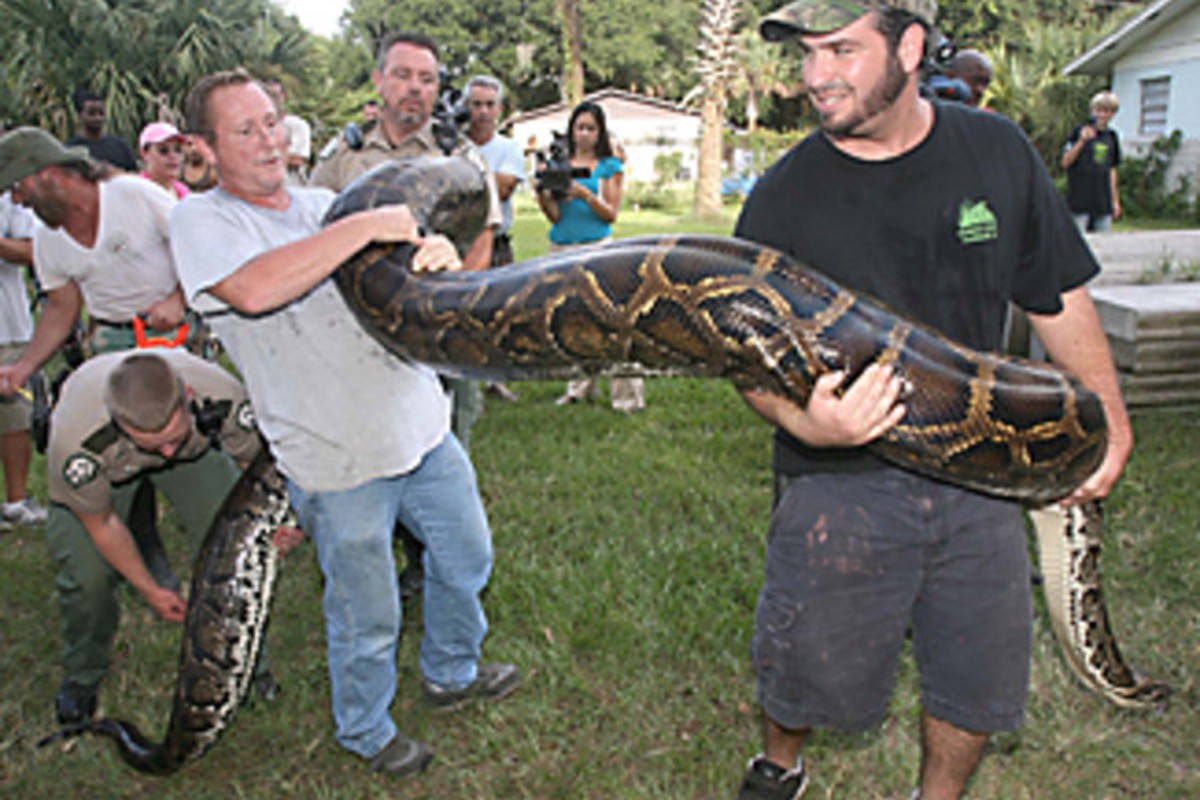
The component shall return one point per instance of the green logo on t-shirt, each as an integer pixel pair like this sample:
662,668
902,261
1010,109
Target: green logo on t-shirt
1100,154
976,223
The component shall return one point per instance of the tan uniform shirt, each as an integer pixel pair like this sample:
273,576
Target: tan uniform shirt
343,165
89,453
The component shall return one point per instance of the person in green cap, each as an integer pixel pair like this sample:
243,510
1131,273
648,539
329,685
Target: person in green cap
945,213
103,245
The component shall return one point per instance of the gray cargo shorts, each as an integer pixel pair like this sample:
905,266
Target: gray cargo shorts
854,560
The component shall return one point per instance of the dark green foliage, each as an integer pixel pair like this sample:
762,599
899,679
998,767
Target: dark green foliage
140,55
1144,187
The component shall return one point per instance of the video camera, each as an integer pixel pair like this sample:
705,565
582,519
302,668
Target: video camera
937,83
555,173
449,113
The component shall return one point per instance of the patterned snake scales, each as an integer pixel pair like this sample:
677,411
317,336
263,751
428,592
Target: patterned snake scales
683,305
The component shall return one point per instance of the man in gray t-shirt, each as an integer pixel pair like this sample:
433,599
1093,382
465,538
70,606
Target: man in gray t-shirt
362,436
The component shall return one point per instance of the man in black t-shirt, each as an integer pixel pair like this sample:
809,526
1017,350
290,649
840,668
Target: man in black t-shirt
102,146
1091,157
946,214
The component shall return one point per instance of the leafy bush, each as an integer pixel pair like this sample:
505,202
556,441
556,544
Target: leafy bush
1143,183
659,196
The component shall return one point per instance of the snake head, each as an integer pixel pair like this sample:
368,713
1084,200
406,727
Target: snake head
446,195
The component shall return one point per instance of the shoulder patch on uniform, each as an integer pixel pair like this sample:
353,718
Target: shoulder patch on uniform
80,469
102,439
245,416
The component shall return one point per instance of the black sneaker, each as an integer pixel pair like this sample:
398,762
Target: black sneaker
492,682
402,757
74,703
767,781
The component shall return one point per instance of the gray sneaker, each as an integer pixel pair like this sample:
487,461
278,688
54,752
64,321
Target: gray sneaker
492,682
765,780
24,512
402,756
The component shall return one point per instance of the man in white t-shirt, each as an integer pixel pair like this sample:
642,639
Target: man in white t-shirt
103,243
485,101
16,328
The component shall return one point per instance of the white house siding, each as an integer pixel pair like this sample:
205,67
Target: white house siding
1183,112
646,128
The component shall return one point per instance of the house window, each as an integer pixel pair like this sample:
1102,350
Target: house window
1156,93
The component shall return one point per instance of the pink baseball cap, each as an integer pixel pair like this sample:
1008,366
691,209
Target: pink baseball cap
157,132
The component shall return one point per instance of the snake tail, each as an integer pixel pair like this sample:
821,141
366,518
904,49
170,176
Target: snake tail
1069,545
228,606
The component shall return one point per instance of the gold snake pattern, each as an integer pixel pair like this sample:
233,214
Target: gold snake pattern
715,307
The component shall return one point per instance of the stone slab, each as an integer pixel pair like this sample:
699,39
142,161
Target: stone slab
1127,312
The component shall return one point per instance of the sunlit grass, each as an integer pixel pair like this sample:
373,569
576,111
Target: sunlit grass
628,561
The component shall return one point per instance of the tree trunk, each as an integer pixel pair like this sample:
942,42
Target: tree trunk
572,78
717,52
707,201
751,109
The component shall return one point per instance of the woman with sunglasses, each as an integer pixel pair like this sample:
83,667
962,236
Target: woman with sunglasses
161,147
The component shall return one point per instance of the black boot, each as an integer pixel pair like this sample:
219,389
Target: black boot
74,703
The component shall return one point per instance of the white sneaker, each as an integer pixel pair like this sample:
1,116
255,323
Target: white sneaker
24,512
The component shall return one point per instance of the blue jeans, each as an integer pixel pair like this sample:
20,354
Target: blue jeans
439,502
1093,223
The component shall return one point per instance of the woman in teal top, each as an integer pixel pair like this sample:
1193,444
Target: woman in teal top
585,215
589,209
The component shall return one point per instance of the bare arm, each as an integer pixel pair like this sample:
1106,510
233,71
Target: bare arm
1116,196
18,251
1075,341
116,544
53,327
166,313
1072,153
506,185
479,256
604,204
277,277
549,206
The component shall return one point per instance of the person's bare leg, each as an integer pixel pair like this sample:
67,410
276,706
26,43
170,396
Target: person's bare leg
949,756
15,453
781,746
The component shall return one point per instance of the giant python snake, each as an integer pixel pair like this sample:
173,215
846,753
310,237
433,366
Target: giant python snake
681,305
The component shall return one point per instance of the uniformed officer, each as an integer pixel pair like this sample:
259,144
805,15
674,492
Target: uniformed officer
407,77
183,423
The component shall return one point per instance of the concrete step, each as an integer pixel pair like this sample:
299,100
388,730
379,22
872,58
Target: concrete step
1157,355
1161,310
1160,390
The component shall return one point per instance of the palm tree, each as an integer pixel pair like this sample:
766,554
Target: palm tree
139,55
716,65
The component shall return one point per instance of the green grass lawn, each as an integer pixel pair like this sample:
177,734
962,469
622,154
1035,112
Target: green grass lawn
628,561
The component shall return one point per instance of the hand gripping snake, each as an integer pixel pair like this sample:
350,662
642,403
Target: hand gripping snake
679,305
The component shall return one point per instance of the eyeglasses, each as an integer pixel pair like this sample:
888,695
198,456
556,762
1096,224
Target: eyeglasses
164,149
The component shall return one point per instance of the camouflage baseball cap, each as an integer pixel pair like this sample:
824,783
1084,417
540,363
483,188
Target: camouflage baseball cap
27,150
824,16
